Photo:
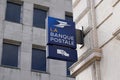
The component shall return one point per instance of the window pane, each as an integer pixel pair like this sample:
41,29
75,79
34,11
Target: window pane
10,55
68,65
70,18
39,18
38,60
13,12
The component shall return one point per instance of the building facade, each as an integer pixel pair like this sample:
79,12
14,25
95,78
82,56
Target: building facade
99,57
23,39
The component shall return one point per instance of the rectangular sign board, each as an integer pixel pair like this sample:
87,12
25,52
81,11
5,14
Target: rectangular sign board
61,53
61,32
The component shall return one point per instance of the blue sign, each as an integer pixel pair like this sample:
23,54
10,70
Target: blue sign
61,32
62,53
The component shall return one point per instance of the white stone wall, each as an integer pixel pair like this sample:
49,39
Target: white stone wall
109,44
27,35
107,13
85,75
110,61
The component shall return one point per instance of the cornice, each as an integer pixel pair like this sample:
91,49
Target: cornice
89,57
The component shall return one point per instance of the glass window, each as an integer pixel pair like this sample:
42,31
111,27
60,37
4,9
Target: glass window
38,60
39,17
10,55
13,12
68,65
70,18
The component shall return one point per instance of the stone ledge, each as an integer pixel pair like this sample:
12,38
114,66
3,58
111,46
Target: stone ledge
118,37
80,65
82,14
115,3
117,33
75,3
11,41
98,4
104,20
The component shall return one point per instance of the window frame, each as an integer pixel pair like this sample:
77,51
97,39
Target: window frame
20,3
35,70
41,8
70,16
18,55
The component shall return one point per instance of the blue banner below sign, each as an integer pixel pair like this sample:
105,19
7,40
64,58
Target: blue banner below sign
62,53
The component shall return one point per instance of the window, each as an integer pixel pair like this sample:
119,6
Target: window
68,65
13,12
10,55
70,18
39,17
38,60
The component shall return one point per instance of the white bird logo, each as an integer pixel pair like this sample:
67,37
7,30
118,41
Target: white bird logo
62,52
61,24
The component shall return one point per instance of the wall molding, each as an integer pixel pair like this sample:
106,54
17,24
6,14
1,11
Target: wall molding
117,34
76,3
115,3
89,57
82,15
105,20
98,3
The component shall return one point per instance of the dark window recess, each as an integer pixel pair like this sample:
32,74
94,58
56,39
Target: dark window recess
10,55
68,65
38,60
69,18
39,17
13,12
